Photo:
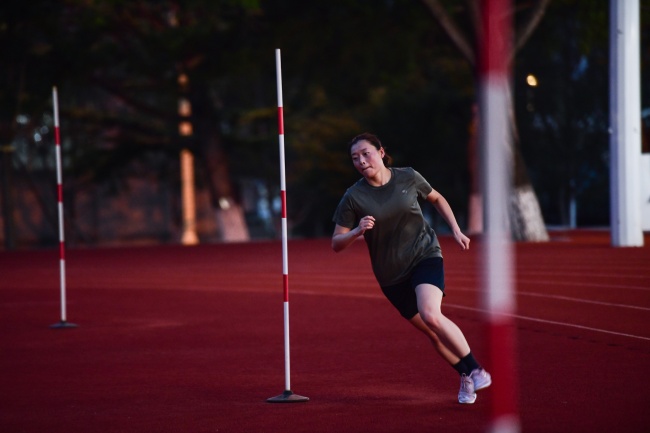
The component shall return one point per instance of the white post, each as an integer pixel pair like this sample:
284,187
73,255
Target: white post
287,396
59,187
625,119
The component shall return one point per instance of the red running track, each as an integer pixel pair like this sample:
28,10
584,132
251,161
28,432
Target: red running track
190,339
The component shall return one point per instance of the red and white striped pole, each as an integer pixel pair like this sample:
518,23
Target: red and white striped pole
496,171
59,188
287,396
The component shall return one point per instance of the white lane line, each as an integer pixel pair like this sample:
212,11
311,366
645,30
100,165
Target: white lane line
584,301
450,305
622,275
565,298
516,316
564,283
552,322
583,284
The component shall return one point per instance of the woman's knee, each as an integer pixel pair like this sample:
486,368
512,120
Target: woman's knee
433,318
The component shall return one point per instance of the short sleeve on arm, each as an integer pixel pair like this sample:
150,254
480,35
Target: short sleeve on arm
345,216
422,186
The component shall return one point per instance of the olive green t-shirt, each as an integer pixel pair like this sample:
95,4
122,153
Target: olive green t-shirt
401,237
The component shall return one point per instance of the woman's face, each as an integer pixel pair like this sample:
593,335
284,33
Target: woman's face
367,159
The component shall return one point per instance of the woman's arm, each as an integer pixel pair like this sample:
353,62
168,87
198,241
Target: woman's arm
343,236
443,208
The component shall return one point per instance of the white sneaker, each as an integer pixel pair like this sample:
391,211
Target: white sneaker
481,378
466,395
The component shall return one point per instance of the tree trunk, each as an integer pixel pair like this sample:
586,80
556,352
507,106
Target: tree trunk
6,152
229,214
526,221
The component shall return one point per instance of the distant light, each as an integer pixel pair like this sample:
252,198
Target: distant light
184,107
185,128
224,203
531,80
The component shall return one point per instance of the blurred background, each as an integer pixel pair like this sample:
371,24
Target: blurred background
145,85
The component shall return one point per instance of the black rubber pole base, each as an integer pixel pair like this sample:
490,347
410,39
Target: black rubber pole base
63,325
288,397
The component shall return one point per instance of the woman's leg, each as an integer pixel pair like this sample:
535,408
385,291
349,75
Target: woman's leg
429,302
453,343
446,354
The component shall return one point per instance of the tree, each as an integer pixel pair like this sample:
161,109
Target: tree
348,66
569,59
29,65
366,66
118,63
158,42
526,219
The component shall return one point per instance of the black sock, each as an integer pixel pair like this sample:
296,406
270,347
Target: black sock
461,368
470,363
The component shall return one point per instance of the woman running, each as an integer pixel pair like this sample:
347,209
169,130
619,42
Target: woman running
404,251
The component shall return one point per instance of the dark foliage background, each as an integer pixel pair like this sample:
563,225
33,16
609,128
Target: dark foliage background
348,67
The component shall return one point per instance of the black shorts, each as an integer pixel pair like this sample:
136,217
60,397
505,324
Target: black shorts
402,295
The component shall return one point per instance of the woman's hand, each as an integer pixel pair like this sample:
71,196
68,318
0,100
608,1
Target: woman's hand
462,240
366,223
343,236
